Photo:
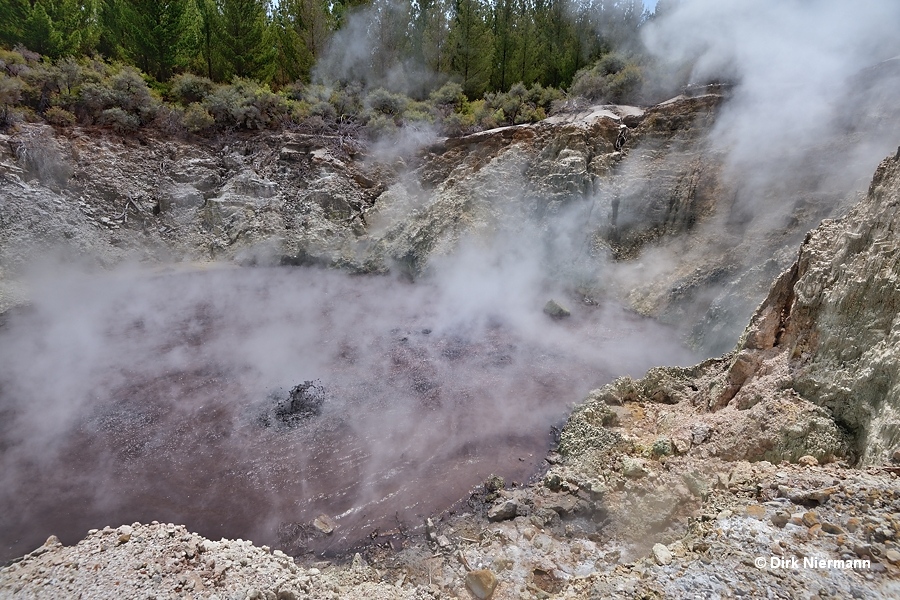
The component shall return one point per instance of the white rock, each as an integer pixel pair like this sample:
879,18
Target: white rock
662,554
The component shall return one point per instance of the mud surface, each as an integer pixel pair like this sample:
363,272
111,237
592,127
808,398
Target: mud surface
132,397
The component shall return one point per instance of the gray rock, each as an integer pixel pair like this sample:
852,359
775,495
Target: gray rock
180,196
324,523
633,468
502,511
662,554
555,310
125,532
780,518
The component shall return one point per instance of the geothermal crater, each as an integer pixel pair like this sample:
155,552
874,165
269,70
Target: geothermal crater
247,402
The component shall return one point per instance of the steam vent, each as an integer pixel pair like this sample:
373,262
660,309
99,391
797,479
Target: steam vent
481,300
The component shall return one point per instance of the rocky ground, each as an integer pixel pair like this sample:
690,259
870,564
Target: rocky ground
648,529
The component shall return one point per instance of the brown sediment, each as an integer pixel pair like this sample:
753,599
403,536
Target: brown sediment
412,418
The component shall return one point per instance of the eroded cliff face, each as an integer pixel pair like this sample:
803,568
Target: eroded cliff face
841,325
594,186
636,205
816,371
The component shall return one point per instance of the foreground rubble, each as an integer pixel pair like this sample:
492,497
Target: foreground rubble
572,543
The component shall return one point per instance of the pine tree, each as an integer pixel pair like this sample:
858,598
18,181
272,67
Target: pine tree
58,28
154,35
313,22
505,39
293,59
40,34
244,38
558,42
389,29
428,35
12,16
208,26
526,63
471,46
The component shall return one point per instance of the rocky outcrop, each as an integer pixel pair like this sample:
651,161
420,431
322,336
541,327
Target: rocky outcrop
816,371
624,202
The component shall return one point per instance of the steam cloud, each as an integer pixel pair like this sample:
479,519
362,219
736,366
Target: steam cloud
808,118
799,74
131,396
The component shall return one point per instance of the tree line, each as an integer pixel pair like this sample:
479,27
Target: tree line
483,45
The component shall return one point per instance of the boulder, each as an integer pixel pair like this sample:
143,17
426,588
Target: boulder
481,583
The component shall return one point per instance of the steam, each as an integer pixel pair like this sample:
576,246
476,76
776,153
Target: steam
369,49
135,396
804,123
794,66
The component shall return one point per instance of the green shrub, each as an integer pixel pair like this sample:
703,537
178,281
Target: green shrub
347,101
300,110
131,92
295,91
119,120
513,101
324,110
246,104
197,118
125,90
386,103
418,112
483,114
610,64
380,125
611,79
14,62
188,88
625,85
449,97
59,116
543,97
10,96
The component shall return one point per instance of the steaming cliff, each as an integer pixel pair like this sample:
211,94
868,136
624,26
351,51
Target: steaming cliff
639,205
815,372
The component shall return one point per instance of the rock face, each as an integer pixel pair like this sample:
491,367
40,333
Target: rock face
622,201
840,325
816,375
